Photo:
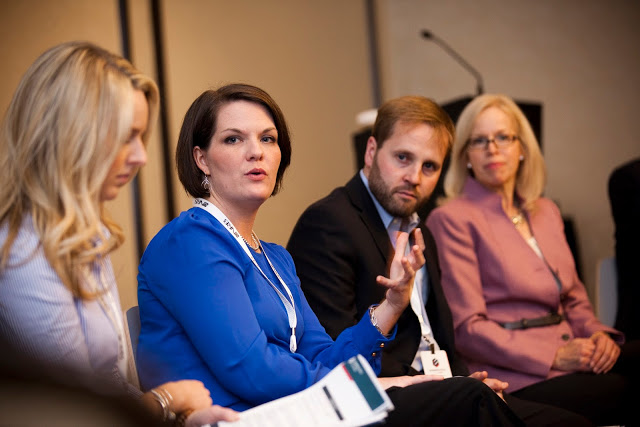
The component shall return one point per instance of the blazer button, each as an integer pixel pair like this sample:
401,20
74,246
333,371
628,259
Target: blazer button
374,354
565,337
381,345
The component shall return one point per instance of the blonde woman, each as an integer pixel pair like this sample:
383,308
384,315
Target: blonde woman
520,311
73,135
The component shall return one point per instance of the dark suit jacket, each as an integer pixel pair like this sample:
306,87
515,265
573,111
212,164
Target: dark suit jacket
624,194
339,246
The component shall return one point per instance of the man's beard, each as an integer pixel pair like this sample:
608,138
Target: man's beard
384,195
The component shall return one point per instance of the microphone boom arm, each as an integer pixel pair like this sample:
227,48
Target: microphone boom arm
429,35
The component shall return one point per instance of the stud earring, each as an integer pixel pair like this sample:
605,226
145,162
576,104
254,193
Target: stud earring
469,165
521,157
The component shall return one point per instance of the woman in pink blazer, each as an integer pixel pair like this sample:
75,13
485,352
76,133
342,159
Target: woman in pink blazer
520,311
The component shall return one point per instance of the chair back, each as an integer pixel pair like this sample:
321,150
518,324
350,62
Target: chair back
607,291
132,332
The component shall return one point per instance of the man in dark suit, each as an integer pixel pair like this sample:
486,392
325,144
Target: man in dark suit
342,242
624,194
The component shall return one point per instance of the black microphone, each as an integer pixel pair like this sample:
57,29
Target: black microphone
429,35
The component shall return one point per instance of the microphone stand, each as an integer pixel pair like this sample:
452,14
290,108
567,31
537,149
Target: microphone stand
429,35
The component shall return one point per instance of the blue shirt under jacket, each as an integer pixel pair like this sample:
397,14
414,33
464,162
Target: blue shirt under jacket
208,314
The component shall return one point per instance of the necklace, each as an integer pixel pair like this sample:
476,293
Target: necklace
255,241
517,219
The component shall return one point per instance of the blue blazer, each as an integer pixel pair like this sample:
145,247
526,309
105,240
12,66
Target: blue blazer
207,313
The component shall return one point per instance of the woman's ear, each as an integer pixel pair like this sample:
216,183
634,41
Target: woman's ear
200,157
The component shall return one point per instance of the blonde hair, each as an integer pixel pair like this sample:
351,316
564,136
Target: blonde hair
70,114
531,177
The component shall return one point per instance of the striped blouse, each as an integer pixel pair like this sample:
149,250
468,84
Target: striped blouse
42,320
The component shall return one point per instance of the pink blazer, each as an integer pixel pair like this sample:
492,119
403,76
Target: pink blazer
491,275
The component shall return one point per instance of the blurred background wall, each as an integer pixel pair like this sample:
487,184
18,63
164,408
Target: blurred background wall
578,58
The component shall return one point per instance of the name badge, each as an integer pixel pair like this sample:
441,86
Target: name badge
436,363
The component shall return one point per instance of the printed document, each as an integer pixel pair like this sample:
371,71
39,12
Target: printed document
350,395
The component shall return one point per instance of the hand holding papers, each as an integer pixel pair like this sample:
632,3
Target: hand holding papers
349,395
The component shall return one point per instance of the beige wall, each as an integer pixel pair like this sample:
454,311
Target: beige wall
579,58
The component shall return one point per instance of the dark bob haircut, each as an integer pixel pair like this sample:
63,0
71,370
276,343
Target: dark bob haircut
199,125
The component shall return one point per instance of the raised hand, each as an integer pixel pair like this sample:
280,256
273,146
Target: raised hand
403,269
399,284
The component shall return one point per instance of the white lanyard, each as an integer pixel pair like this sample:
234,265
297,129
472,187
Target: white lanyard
418,308
288,305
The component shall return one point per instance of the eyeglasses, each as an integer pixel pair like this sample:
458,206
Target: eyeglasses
482,142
